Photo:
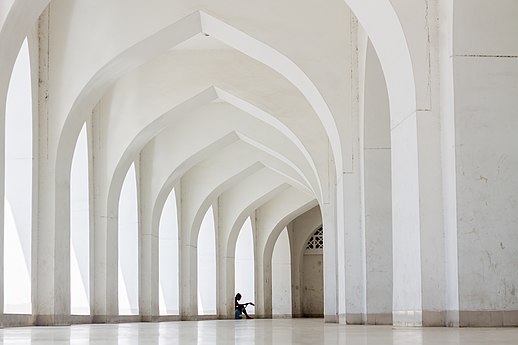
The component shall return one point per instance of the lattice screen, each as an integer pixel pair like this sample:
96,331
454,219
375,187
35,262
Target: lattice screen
316,241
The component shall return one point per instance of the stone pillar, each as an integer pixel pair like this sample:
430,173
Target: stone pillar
149,255
225,261
187,261
105,301
417,173
445,15
351,239
53,259
377,208
330,258
296,273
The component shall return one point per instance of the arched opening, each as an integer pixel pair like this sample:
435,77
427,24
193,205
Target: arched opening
207,265
18,188
281,277
168,258
80,229
244,276
128,245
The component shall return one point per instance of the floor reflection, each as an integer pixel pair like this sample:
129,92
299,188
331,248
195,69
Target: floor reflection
261,332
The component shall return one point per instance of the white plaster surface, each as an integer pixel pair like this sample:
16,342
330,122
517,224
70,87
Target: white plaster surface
486,85
486,188
312,287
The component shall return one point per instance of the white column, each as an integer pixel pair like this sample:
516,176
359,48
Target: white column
377,210
149,246
187,262
53,256
105,252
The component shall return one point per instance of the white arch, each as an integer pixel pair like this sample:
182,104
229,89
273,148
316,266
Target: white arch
238,203
380,21
275,216
385,31
203,154
156,127
171,36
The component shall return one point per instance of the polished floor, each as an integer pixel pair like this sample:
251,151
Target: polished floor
285,332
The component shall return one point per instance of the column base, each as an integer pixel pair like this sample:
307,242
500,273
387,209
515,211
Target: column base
52,320
434,318
407,318
353,319
15,320
491,318
198,317
379,319
331,318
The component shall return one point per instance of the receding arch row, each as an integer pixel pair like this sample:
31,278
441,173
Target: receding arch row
112,198
275,216
236,220
172,117
109,212
191,225
202,209
113,194
90,94
228,138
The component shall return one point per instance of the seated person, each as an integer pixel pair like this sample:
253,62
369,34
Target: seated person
241,308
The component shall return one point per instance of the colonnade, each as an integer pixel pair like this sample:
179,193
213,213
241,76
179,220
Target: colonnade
395,118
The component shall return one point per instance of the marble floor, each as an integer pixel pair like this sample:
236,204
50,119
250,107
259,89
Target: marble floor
284,331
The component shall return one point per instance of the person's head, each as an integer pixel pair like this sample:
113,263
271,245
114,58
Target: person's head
238,296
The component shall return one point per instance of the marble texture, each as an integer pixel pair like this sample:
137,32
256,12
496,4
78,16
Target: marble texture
290,331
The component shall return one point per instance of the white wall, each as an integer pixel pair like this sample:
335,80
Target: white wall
313,285
486,141
281,276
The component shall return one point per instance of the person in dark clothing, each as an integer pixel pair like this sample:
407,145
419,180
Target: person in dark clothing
241,308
